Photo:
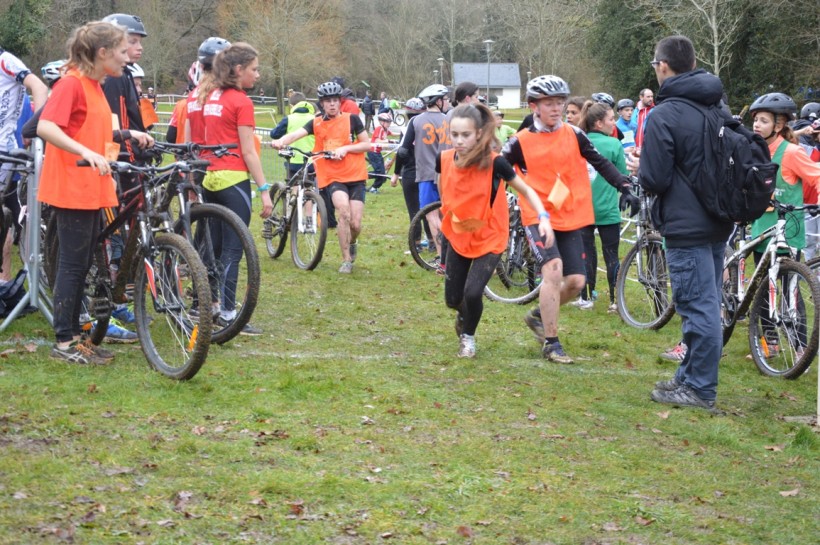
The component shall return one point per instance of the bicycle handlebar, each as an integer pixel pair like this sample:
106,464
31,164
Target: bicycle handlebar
287,152
121,167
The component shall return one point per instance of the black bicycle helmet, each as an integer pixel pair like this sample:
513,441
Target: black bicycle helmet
604,98
132,23
208,50
547,86
329,89
430,94
625,103
776,103
810,111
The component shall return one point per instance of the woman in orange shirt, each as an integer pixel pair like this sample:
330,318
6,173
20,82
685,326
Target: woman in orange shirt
76,124
475,218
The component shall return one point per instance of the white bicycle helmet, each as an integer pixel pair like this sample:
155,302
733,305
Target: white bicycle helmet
329,89
547,86
415,104
385,116
208,50
51,71
136,70
429,95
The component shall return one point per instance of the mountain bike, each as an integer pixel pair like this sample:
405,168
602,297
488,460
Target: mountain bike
168,277
298,210
517,277
203,225
780,297
642,289
423,252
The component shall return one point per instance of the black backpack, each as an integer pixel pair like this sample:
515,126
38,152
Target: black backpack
736,178
11,293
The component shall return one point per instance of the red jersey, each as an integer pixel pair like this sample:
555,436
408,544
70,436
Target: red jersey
224,112
379,134
195,119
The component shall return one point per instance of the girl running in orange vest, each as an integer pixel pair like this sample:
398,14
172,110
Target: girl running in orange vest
76,124
475,218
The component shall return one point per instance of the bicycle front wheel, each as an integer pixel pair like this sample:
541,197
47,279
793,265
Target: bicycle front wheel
517,277
211,224
308,232
400,119
275,227
171,278
425,257
642,288
783,339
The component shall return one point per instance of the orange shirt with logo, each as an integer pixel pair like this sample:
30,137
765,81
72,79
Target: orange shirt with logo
62,183
472,226
332,134
552,157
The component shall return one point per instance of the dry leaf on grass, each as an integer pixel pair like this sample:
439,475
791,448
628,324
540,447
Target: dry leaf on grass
790,493
775,448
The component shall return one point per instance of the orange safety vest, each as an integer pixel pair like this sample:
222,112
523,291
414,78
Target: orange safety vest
180,115
62,182
550,157
149,115
472,226
330,135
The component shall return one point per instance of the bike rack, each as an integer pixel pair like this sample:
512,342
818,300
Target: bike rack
32,262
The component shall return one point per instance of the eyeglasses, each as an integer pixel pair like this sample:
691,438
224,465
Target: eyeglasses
655,62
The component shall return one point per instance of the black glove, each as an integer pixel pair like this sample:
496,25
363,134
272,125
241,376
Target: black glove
628,200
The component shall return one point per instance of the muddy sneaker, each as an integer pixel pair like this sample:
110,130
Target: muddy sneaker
99,351
533,321
79,353
466,348
554,352
585,304
668,385
675,354
613,308
682,396
346,268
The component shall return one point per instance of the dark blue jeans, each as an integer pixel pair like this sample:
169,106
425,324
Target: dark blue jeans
227,245
377,162
696,274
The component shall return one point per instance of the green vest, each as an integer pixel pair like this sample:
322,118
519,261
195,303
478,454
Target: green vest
788,194
295,122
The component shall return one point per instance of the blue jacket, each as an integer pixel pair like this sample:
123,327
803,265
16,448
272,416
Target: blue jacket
674,144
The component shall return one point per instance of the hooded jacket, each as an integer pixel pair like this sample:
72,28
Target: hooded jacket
673,144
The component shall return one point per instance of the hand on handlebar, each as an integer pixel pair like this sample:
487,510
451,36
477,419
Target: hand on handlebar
144,140
97,162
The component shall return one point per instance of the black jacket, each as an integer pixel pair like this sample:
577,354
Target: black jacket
674,144
122,97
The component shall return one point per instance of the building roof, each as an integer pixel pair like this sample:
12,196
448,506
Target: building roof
502,74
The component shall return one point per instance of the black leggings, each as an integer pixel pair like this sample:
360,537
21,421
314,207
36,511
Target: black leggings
610,241
464,285
77,232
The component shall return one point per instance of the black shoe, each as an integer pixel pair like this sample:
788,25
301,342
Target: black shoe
682,396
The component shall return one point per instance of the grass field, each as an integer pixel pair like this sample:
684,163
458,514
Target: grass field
351,421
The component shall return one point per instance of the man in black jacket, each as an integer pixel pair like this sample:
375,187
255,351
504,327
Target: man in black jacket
695,241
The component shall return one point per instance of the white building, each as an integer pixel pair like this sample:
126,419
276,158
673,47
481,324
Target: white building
505,80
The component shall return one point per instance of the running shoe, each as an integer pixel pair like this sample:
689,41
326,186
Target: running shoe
346,268
675,354
78,353
98,351
554,352
124,315
248,329
585,304
466,348
118,334
682,396
668,385
613,308
533,321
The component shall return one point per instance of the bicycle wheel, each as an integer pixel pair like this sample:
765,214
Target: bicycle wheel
308,231
785,346
171,278
729,301
208,225
643,290
275,228
424,257
400,119
517,278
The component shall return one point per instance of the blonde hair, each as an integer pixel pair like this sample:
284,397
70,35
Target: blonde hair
86,40
483,121
223,75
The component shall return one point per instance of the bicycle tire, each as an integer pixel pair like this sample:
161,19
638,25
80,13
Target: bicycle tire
400,119
307,242
728,301
424,258
786,349
167,283
642,288
517,279
275,227
247,291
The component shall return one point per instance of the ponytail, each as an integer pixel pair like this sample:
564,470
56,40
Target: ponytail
86,40
484,122
223,75
591,113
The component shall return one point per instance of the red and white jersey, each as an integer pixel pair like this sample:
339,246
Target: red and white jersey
12,91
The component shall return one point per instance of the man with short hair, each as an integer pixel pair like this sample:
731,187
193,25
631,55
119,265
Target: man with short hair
695,240
645,105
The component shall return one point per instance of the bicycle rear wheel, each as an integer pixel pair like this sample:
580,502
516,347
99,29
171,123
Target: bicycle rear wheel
424,257
785,346
171,278
209,223
275,227
643,290
308,231
517,278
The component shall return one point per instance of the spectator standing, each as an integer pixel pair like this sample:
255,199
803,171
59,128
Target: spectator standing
502,132
301,111
369,110
384,103
645,105
695,240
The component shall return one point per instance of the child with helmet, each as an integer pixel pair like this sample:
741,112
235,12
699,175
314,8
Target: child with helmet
374,156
